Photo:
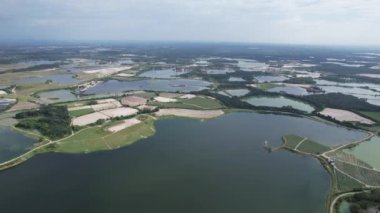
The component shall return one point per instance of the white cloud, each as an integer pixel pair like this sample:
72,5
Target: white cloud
286,21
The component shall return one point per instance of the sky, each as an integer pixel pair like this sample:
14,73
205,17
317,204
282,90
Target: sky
339,22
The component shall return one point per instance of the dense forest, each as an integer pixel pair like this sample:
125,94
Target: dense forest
340,101
51,121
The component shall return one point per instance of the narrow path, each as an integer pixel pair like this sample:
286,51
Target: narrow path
299,144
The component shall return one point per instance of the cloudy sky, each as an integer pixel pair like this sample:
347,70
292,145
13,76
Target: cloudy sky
270,21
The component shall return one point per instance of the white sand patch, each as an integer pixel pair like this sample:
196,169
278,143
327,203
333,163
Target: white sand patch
126,74
164,100
109,100
122,111
126,123
88,119
106,105
79,108
147,107
370,75
105,114
188,96
344,115
107,71
201,114
133,101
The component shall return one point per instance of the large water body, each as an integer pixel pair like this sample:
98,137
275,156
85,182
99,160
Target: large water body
165,85
60,79
13,144
188,166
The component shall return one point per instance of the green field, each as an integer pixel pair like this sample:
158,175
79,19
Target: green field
291,141
200,103
98,138
308,146
375,116
345,183
80,112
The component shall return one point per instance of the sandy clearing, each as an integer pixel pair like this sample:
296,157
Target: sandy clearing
107,71
370,75
88,119
108,100
105,106
133,101
23,106
147,107
201,114
188,96
344,115
126,74
126,123
122,111
164,100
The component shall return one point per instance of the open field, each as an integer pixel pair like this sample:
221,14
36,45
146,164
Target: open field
373,115
303,145
104,114
344,115
125,124
80,112
23,106
193,103
98,139
200,114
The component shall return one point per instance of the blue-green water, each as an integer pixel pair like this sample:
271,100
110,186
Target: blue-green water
188,166
13,143
166,85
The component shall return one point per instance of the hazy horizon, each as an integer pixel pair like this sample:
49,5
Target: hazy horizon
305,22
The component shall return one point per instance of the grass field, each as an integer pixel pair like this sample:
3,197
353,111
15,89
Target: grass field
98,139
298,143
193,103
375,116
291,141
80,112
345,183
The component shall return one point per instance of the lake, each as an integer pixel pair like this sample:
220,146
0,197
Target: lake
165,73
13,143
221,168
289,90
279,102
367,152
60,79
57,96
269,78
165,85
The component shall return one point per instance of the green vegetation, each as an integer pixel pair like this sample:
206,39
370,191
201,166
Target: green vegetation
80,112
312,147
345,183
266,86
97,138
305,80
291,141
375,116
51,121
297,143
340,101
200,103
362,202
